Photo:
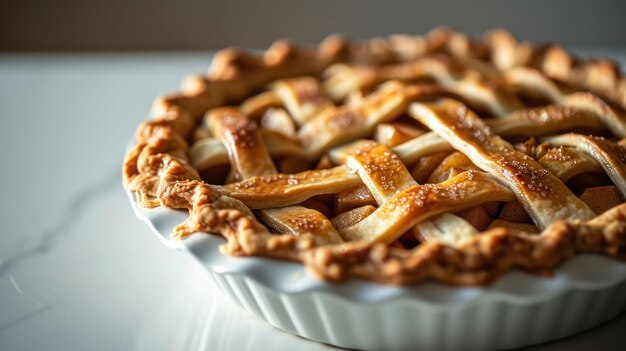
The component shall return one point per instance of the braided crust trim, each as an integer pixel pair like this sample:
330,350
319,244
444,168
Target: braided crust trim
156,167
477,260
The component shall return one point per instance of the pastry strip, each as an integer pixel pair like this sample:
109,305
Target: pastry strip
612,120
566,162
344,79
385,176
380,169
544,121
426,144
610,155
542,194
533,82
242,139
300,220
303,97
256,105
281,190
446,228
340,125
208,152
420,202
349,218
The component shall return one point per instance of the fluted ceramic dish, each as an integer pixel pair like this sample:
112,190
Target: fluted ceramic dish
518,309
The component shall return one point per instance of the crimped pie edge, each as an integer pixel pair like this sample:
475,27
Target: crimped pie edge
155,168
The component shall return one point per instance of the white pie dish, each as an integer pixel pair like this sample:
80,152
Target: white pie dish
518,309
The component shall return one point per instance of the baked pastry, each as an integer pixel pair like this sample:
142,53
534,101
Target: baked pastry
398,159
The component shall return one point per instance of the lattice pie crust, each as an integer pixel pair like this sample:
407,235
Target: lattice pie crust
398,159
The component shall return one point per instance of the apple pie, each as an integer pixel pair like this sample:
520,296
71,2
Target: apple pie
398,160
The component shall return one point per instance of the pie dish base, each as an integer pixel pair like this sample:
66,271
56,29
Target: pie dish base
517,310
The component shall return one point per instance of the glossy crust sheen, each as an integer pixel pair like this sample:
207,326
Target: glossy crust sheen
157,168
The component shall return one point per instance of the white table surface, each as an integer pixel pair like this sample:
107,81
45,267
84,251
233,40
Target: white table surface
77,270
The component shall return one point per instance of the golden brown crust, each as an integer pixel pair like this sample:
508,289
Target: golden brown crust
479,259
242,140
541,193
157,167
